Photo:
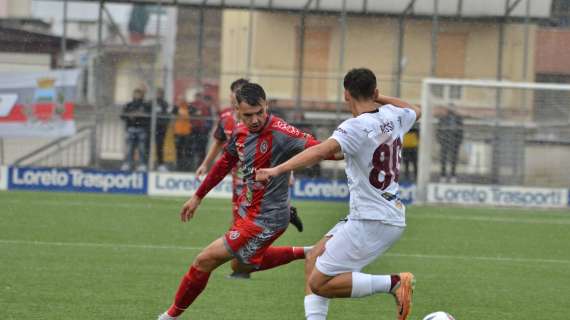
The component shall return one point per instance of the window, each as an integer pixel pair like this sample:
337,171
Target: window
455,92
447,92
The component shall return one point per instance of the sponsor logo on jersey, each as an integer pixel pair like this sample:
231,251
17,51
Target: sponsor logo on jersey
341,130
287,128
387,127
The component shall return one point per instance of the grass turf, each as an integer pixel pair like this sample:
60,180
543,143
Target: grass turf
87,256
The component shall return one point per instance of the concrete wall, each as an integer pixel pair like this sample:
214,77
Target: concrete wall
370,42
544,165
24,62
15,8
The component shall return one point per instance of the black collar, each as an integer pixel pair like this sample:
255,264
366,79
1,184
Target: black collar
373,111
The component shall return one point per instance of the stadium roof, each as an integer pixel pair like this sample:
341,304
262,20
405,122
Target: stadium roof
539,9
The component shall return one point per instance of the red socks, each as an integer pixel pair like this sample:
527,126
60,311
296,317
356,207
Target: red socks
276,256
191,285
194,281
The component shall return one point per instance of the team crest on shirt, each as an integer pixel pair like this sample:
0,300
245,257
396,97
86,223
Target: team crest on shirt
234,235
263,147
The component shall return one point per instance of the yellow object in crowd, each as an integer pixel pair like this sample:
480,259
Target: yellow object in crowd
182,124
411,140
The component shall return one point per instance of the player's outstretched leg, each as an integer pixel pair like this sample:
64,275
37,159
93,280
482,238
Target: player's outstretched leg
295,219
316,307
196,279
191,285
358,285
278,256
273,257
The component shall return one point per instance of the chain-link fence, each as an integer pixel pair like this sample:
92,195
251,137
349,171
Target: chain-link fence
300,58
495,133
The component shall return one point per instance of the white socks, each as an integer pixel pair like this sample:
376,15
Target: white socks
365,284
316,307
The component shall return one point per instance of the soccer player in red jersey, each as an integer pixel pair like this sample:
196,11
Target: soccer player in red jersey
222,135
260,140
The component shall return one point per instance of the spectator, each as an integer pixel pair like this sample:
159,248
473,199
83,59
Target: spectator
136,115
162,121
410,153
182,134
201,112
450,137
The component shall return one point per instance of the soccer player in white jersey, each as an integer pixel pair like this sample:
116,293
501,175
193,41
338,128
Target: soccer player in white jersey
372,145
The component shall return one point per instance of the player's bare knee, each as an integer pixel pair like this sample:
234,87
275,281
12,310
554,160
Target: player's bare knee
204,262
316,285
321,290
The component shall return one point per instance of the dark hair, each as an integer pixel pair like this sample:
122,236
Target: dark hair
250,93
237,84
360,83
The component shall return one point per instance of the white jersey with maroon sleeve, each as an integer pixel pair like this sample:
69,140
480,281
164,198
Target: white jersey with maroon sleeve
372,145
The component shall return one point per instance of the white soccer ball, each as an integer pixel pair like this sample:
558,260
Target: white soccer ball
439,315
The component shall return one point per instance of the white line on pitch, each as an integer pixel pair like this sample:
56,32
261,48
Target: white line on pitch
513,219
67,203
177,203
165,247
500,259
96,245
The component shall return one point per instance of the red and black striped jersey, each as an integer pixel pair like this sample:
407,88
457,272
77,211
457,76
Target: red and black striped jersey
264,202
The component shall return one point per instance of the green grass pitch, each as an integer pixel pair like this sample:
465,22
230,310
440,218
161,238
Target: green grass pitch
87,256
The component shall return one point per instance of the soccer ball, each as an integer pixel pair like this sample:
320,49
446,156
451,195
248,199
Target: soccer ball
439,315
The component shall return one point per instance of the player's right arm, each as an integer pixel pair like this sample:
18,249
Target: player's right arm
215,149
220,169
382,100
310,156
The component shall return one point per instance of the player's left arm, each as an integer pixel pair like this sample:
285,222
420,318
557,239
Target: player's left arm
382,100
310,156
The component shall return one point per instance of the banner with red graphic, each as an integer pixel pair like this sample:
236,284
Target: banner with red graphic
38,103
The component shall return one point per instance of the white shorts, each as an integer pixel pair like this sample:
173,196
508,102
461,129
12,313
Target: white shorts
355,244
